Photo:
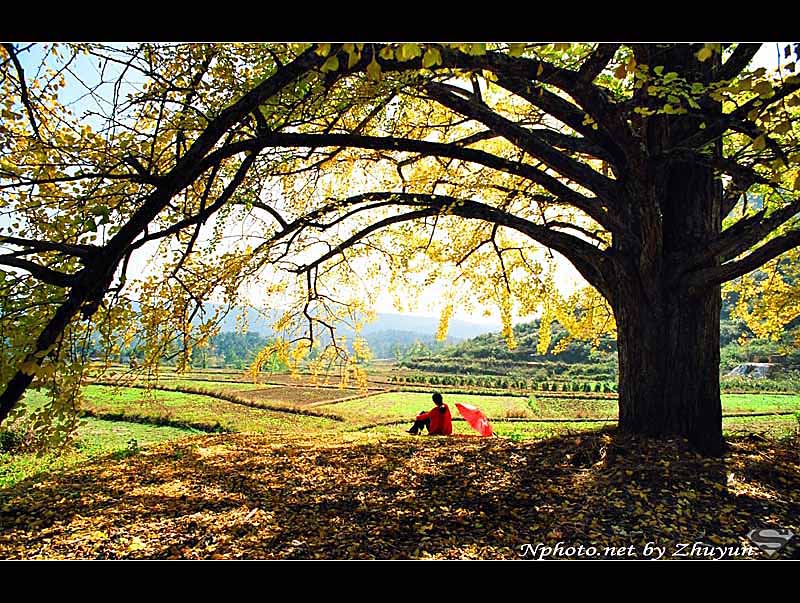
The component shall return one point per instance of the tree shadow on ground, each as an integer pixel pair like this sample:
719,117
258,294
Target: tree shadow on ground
248,496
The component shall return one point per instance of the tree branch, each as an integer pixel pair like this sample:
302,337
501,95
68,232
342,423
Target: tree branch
741,236
203,215
572,143
23,87
731,197
732,270
737,119
588,205
593,263
567,113
271,211
413,215
739,59
46,275
597,61
193,163
138,178
592,99
36,246
525,140
736,170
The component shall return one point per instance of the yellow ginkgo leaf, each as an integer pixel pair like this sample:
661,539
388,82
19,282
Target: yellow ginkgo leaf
432,57
704,54
374,71
332,64
515,50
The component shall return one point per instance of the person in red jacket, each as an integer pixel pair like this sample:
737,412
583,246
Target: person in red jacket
438,420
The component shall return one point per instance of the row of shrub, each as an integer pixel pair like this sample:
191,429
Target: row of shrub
576,386
538,371
787,382
505,383
784,383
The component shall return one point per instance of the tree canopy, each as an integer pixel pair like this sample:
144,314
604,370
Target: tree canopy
363,167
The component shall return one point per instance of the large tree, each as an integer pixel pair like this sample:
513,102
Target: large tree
630,161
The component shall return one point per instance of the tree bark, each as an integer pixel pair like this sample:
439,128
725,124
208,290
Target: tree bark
669,367
668,331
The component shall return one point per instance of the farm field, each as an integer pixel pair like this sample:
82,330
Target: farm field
244,412
119,416
362,408
96,439
193,472
200,384
196,411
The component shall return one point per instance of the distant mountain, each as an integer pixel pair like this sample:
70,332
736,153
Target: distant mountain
260,322
428,325
257,322
396,344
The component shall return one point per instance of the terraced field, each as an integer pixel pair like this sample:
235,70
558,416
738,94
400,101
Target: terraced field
121,419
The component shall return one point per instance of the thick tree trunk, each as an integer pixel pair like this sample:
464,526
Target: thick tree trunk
668,335
49,336
669,367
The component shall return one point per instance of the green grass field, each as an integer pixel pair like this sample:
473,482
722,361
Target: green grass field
142,417
760,403
775,426
181,415
190,411
404,405
96,438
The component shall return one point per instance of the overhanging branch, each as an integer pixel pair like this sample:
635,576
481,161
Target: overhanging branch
23,88
741,57
40,246
567,113
589,205
594,264
747,232
735,269
46,275
597,61
205,214
526,140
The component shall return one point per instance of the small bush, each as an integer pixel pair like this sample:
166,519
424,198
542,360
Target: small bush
131,449
12,439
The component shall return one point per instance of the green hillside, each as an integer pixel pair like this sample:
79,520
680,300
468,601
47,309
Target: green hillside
489,354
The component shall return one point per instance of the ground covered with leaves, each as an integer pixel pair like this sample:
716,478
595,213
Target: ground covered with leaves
360,495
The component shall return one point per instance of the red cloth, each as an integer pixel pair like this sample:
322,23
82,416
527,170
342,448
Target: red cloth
475,418
441,422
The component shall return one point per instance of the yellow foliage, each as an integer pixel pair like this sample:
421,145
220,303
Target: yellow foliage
444,321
